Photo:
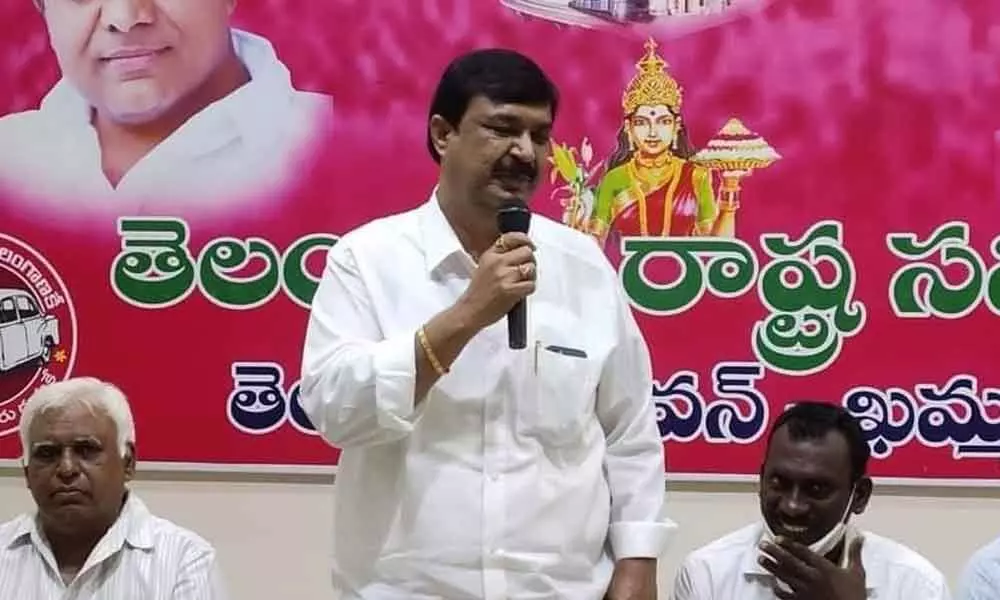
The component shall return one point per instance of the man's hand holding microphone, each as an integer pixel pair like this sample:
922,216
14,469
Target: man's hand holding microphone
504,277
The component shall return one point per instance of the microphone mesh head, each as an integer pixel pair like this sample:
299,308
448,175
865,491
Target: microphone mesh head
513,216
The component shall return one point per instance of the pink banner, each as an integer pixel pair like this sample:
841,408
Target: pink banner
800,196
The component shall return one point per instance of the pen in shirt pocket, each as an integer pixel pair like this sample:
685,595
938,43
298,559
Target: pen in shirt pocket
567,351
564,350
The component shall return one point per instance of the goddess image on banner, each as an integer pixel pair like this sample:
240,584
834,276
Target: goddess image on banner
655,183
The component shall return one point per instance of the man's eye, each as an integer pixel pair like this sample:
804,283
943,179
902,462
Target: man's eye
87,450
818,490
503,130
46,453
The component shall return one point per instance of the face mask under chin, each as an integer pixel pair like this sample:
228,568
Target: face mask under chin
829,541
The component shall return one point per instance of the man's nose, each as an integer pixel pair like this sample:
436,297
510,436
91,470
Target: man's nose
793,504
524,148
123,15
68,466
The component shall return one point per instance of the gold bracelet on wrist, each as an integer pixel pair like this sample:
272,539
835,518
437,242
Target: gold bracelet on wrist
429,352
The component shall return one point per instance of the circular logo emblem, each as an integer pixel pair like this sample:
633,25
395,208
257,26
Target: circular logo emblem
37,328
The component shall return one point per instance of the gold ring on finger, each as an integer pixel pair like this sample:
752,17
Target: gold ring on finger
501,246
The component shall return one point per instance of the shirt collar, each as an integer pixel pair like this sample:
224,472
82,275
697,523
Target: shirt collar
749,564
751,568
20,533
438,238
132,527
269,92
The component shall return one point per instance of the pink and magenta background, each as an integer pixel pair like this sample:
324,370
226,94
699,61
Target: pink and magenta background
884,113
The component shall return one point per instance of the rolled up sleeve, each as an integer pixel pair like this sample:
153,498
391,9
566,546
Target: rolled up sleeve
634,458
357,387
394,368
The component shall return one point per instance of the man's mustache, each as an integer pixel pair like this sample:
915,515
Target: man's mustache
516,170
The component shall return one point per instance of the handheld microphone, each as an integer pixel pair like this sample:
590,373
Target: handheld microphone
515,216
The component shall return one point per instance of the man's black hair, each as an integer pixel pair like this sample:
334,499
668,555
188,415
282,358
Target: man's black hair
814,420
501,76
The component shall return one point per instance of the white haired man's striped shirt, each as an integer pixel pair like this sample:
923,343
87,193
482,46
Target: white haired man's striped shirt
141,557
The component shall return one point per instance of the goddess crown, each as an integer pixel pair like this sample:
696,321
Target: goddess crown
651,85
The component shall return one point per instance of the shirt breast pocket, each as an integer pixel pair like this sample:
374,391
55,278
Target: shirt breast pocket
562,396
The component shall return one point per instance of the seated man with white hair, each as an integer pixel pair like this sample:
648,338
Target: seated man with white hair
91,537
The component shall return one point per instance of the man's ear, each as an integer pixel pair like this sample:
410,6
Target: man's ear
129,461
441,133
862,494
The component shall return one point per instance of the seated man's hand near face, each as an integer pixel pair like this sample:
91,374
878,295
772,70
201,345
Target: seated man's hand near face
811,576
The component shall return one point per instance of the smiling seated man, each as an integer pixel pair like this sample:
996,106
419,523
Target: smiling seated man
91,537
806,548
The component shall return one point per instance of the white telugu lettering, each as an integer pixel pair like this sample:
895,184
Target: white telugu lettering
24,265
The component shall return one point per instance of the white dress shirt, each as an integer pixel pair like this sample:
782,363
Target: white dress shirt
238,150
522,474
141,557
980,578
727,569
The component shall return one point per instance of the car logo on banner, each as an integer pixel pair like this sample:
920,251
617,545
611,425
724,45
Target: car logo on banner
37,328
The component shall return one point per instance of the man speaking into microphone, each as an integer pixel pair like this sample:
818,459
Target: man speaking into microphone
484,456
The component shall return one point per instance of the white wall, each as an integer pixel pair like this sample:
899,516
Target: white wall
288,521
